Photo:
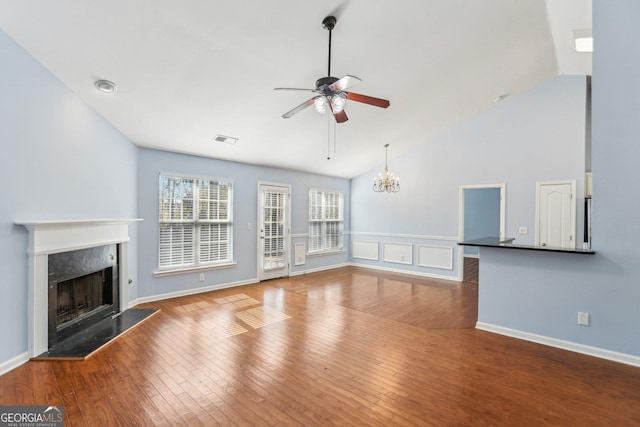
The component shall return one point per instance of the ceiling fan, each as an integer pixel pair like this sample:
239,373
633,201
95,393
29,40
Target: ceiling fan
332,93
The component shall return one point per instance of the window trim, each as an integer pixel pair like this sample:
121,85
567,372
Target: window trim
323,221
197,222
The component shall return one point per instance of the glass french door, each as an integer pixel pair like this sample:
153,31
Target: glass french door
273,231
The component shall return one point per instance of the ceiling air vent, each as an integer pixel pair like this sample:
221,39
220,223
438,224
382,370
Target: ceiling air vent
225,139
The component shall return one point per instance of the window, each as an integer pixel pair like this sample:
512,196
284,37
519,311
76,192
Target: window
195,222
325,220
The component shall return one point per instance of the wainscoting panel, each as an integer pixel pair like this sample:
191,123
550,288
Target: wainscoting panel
365,249
398,253
435,257
299,252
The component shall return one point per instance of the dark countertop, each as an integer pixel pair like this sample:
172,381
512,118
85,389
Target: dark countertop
507,243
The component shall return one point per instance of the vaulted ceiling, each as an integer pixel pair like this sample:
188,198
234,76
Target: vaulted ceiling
189,70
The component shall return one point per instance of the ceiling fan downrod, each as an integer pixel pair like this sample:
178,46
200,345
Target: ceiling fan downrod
329,23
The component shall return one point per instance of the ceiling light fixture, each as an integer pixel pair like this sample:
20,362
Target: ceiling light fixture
105,86
337,102
583,41
386,182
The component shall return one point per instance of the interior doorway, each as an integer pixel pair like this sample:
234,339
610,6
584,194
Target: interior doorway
482,214
556,214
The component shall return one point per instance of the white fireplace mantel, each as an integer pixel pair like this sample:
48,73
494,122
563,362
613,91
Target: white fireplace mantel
50,237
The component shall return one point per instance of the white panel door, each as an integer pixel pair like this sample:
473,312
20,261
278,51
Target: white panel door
556,213
273,232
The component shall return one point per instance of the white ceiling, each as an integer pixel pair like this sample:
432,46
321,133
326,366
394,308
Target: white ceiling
188,70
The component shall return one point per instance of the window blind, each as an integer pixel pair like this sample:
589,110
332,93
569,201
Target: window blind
195,220
325,220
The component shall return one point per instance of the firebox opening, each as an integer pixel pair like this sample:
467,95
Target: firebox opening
80,297
83,290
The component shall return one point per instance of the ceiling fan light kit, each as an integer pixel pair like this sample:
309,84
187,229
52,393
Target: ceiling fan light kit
331,91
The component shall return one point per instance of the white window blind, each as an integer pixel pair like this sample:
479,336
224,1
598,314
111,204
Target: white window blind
195,221
325,220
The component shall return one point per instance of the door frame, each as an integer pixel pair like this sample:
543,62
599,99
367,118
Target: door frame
259,248
573,184
503,222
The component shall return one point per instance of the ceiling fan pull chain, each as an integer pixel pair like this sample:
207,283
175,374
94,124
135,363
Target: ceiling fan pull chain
334,137
329,137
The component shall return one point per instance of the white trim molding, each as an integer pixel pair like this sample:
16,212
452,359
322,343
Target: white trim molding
14,362
398,253
174,271
402,271
601,353
316,270
365,249
435,256
196,291
401,236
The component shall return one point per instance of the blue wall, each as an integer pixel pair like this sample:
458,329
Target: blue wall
481,215
60,160
245,177
538,135
539,293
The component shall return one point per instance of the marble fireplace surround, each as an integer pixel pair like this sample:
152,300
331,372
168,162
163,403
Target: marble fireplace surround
51,237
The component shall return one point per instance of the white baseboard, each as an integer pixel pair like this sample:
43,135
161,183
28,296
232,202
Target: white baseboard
601,353
316,270
410,272
187,292
375,267
14,363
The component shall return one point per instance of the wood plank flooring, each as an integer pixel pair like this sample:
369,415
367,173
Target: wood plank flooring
470,269
344,347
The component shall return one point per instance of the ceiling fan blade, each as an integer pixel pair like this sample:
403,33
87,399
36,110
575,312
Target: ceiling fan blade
345,82
299,108
294,88
341,117
383,103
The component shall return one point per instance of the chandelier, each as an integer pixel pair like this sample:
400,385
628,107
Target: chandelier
386,182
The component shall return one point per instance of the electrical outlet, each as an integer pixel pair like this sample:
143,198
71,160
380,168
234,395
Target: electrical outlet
523,230
249,226
583,319
202,277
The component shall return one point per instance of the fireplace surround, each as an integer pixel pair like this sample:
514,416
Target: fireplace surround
48,238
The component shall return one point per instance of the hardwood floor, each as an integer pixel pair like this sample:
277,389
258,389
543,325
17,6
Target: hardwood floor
344,347
470,269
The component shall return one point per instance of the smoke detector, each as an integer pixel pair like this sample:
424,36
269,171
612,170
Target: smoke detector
105,86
